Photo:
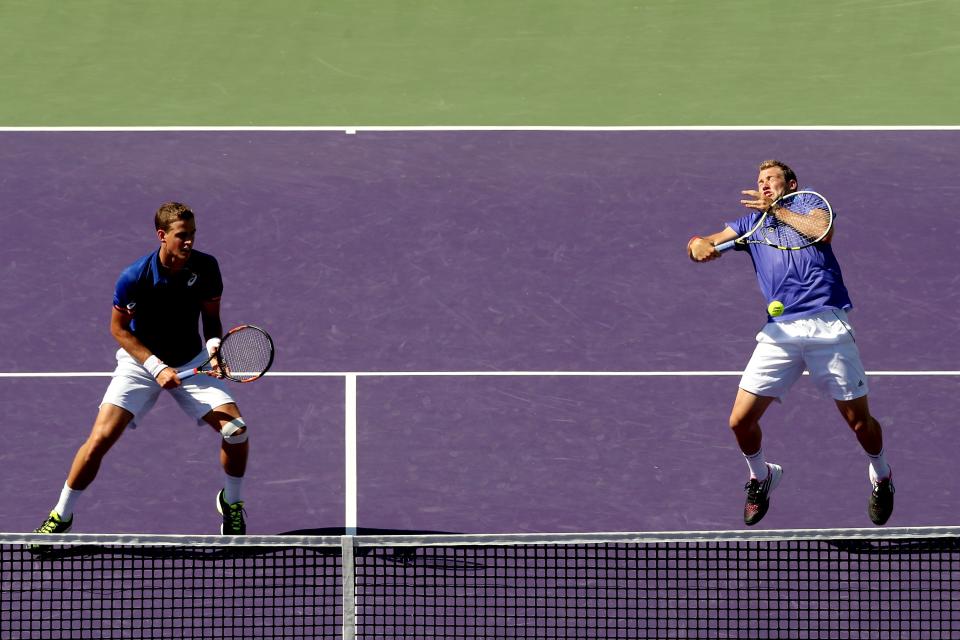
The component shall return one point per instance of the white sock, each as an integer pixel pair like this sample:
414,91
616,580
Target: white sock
758,465
68,498
232,488
879,468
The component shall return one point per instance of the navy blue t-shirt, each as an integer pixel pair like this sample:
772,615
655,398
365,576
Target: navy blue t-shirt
806,281
166,306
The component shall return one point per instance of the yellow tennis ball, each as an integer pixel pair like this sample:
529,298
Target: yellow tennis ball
775,308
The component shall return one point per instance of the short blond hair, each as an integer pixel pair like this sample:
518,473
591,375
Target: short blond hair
170,212
788,173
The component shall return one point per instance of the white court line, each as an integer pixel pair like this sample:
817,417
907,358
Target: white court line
599,374
350,455
473,374
352,129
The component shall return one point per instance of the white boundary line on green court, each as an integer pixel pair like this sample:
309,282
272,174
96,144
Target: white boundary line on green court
351,129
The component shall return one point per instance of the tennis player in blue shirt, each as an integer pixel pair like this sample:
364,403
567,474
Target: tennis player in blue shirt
812,332
157,303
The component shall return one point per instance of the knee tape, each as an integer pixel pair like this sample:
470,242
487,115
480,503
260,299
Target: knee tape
229,431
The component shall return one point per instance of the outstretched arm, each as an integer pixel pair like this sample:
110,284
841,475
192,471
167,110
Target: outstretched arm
703,249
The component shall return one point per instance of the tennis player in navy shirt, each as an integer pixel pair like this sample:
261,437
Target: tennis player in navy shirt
157,303
811,332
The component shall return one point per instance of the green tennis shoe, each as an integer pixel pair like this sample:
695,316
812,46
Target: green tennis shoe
53,524
233,522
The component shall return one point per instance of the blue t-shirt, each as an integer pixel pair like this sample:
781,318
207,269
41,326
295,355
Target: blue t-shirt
806,281
165,306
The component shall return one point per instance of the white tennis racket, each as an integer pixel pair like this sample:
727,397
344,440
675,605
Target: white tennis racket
794,221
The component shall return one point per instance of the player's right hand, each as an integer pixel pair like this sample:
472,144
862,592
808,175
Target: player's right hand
701,250
168,379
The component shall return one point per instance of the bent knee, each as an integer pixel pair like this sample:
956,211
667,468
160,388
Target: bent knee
864,425
234,432
98,444
739,422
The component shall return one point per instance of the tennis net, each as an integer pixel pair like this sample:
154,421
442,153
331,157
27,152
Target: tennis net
851,583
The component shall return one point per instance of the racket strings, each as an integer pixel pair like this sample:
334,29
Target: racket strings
798,222
246,353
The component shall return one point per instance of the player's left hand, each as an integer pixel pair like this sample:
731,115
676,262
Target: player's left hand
216,371
756,200
213,346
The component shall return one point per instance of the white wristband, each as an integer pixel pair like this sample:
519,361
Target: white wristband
154,365
212,345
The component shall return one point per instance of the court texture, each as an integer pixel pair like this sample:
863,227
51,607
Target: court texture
530,350
464,227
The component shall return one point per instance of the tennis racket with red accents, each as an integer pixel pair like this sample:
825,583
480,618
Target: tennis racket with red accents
795,221
245,354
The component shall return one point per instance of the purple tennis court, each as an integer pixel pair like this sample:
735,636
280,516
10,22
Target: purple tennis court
476,252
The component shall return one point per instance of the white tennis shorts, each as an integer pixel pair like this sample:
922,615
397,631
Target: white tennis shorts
134,389
822,344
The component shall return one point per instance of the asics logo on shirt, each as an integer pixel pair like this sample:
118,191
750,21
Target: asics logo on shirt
193,279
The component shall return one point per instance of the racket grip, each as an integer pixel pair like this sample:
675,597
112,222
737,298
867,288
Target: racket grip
725,246
187,373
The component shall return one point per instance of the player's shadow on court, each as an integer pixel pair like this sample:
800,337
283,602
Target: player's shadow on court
444,558
365,531
403,555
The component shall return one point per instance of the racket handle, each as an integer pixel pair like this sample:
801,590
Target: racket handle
187,373
725,246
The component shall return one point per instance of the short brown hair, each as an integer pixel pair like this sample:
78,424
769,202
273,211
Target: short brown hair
170,212
788,173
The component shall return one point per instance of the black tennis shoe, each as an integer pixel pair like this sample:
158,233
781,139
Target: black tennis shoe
233,522
880,504
758,495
